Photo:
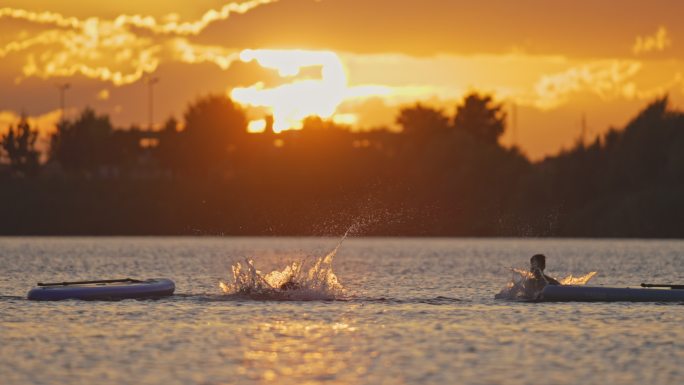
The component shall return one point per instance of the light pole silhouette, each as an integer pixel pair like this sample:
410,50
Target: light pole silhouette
62,88
151,81
583,128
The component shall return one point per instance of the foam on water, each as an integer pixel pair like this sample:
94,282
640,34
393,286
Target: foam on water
519,287
298,281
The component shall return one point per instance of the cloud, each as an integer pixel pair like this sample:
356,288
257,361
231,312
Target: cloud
51,18
187,52
657,42
611,78
540,82
194,27
120,50
170,26
90,54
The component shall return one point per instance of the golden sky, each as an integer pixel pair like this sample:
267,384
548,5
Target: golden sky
353,61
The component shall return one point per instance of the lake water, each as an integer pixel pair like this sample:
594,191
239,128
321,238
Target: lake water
413,311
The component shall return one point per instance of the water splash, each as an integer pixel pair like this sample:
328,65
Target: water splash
298,281
581,280
522,287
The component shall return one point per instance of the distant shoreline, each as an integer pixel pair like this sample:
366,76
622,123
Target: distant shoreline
418,237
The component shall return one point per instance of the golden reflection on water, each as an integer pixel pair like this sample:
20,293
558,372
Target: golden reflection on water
317,351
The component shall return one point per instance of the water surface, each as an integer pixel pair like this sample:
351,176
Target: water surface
414,311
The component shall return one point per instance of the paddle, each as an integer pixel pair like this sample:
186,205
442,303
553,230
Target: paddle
680,287
88,282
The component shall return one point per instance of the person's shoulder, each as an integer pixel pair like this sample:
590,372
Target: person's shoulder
551,280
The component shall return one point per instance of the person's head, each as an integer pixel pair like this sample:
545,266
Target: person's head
538,261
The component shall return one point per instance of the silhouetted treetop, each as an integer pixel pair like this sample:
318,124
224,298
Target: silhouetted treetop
170,125
421,120
214,127
83,144
652,114
649,147
20,147
481,117
215,118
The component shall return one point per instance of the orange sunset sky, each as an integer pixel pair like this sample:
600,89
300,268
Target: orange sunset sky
356,62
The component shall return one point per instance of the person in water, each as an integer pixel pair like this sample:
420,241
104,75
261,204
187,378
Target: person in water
539,279
290,285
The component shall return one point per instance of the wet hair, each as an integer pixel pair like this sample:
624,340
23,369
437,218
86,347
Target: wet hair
540,259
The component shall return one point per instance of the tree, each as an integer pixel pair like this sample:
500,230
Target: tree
84,144
481,118
420,120
170,126
214,126
216,118
169,145
19,144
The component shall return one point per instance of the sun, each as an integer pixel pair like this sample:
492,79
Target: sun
290,103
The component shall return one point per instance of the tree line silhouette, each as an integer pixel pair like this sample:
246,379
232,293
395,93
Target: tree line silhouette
440,176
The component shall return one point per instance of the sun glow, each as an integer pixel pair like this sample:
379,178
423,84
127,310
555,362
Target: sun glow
290,103
256,126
